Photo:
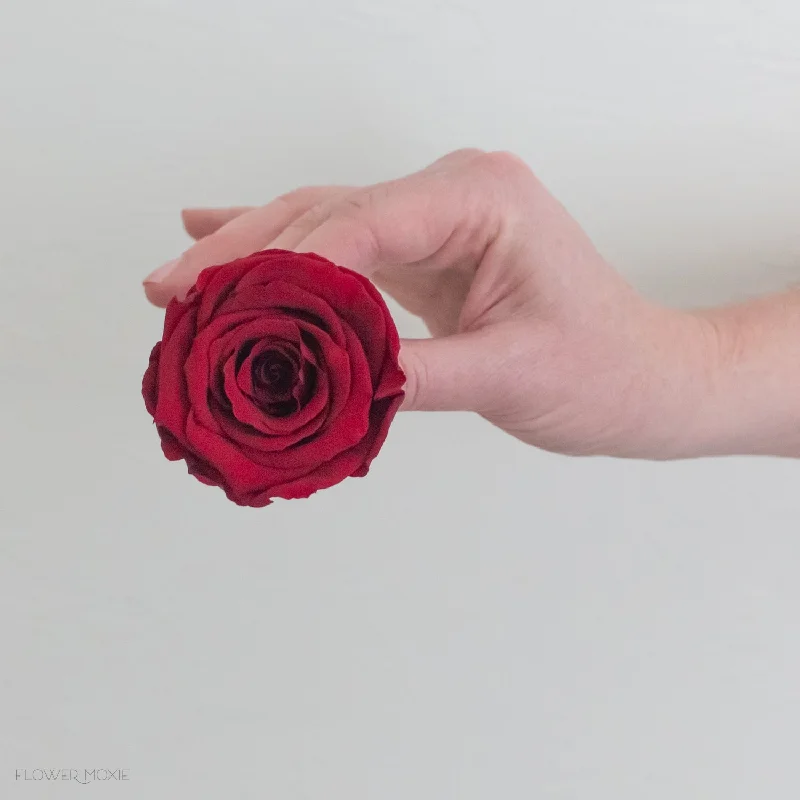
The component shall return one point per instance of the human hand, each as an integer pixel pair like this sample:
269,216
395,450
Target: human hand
531,328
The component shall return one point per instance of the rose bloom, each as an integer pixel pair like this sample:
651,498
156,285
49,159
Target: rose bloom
275,377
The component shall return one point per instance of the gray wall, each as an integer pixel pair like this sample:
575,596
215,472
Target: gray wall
475,619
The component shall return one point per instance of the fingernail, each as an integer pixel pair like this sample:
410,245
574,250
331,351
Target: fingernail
160,274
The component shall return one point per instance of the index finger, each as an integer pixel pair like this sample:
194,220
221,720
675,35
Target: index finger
241,236
399,222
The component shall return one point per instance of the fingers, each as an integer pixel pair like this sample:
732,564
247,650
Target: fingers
400,222
242,235
299,228
201,222
461,201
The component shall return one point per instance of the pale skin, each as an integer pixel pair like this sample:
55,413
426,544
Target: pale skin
531,327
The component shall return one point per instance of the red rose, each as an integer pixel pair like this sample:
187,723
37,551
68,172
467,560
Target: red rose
275,377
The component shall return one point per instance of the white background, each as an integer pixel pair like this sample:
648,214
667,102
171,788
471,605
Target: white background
474,619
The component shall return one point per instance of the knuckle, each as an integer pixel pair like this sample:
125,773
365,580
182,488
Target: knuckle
300,227
503,164
358,214
289,199
356,203
455,160
302,201
465,154
316,215
304,196
312,218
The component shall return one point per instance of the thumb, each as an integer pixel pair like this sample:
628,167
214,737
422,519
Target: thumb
462,372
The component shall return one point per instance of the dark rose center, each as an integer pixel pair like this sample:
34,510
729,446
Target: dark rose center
274,375
280,380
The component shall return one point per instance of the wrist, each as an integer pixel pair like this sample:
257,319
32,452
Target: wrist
738,381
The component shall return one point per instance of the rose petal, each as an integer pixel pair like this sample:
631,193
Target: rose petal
352,296
258,445
175,312
331,397
173,398
277,294
246,411
220,338
150,380
347,419
381,416
242,475
215,284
